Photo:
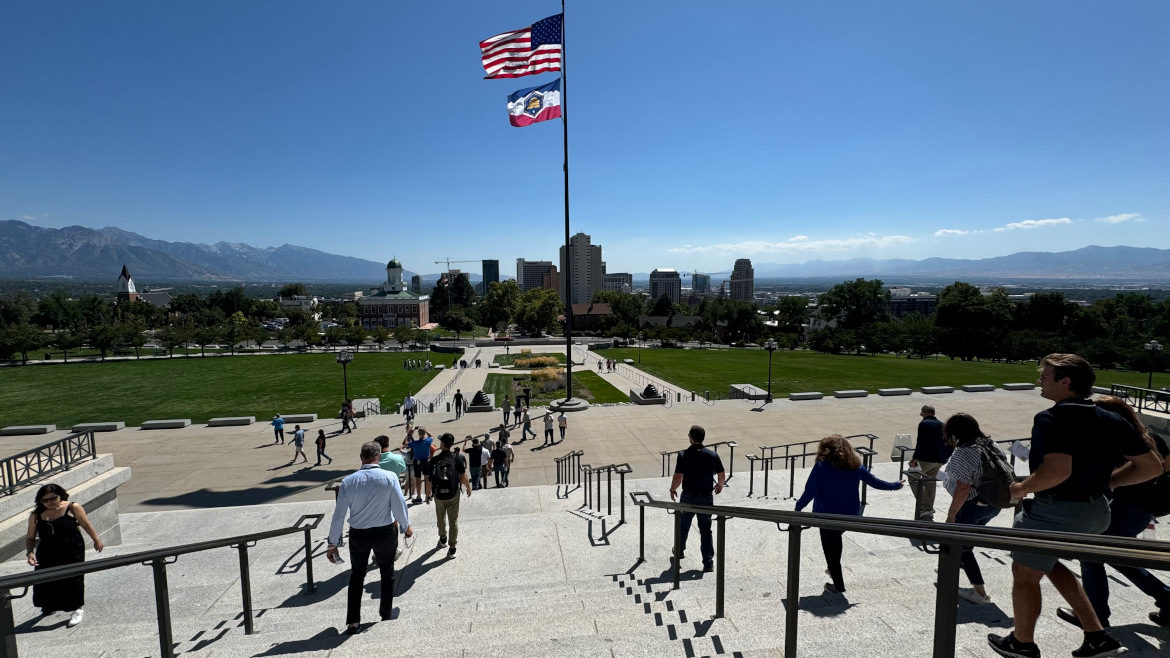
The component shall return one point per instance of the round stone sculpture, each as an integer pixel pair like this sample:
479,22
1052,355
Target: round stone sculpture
480,398
651,391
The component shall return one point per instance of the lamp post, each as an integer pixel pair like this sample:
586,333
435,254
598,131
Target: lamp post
640,336
771,346
1153,347
344,357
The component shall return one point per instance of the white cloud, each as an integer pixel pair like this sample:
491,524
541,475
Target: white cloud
1034,223
28,217
1121,217
943,232
797,244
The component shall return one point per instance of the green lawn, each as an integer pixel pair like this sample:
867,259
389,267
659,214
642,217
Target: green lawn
586,385
508,359
699,370
199,389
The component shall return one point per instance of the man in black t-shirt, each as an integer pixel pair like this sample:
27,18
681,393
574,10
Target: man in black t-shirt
475,462
1075,446
458,400
696,470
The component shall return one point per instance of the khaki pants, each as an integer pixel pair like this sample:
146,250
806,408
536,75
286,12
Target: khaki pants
925,491
448,510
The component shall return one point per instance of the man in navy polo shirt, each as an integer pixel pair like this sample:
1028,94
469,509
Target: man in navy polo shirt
696,470
1075,447
930,453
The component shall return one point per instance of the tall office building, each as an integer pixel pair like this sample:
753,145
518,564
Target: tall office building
416,284
491,274
585,269
535,274
619,282
700,283
743,280
665,281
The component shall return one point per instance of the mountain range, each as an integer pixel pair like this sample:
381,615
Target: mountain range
77,252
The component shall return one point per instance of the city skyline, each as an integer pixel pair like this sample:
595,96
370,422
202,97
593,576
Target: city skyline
890,132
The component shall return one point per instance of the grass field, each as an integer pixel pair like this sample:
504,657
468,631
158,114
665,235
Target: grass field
699,370
586,385
202,388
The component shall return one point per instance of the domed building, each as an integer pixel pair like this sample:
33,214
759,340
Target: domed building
393,304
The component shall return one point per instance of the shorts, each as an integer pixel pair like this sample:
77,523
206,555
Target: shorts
422,467
1089,517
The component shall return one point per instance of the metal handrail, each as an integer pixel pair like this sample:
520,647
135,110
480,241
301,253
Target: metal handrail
591,500
766,461
1143,398
158,559
950,538
732,445
568,471
30,466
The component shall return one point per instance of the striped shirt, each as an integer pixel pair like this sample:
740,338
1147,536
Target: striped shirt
965,465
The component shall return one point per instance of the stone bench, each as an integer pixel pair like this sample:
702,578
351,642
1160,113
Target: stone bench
934,390
298,418
894,391
808,395
1019,386
170,424
111,426
978,388
24,430
226,421
854,393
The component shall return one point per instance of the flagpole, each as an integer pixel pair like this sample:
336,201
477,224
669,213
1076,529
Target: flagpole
568,252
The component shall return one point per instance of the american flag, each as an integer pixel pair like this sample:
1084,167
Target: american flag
534,49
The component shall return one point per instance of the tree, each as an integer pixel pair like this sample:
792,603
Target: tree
792,314
440,300
970,325
403,334
204,336
67,341
21,338
285,336
538,310
235,330
355,336
103,338
294,290
95,311
853,304
172,337
57,311
462,292
380,335
498,306
458,322
662,306
132,333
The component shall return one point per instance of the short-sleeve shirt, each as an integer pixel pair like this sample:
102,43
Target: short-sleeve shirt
965,465
1097,440
1140,495
299,438
475,456
698,466
499,457
393,462
421,448
278,423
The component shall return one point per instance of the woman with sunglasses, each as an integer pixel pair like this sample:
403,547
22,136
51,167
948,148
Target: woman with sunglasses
54,539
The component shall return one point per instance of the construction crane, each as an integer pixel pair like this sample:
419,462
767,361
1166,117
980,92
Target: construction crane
448,261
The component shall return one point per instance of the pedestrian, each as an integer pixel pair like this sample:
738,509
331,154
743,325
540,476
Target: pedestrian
1075,448
930,453
832,487
347,415
448,476
489,446
563,424
1130,514
700,473
507,409
517,411
278,429
599,366
421,449
321,447
458,399
527,419
377,513
54,540
502,462
412,488
389,460
299,444
475,462
408,404
548,429
963,475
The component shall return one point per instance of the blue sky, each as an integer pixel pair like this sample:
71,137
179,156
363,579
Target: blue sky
699,132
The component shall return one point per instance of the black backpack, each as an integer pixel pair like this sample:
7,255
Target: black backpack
445,478
994,487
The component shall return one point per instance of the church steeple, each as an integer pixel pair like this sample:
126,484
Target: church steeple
125,282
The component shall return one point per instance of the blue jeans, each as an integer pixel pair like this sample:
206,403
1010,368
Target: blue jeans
706,545
475,476
972,513
1125,521
501,475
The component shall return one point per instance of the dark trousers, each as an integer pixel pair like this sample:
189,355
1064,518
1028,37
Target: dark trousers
548,436
475,476
279,434
832,546
321,453
1124,521
501,475
383,541
706,545
562,433
972,513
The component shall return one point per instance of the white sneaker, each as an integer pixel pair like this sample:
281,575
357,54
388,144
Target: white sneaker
969,594
75,618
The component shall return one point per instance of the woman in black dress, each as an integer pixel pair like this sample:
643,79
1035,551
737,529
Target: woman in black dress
54,539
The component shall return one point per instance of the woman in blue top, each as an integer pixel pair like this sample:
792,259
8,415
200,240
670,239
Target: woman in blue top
832,486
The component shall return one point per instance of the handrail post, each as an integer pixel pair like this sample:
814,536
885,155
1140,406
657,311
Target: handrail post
751,477
597,498
641,534
310,586
246,588
793,595
791,477
622,493
731,464
10,472
678,549
720,571
162,605
767,470
609,492
946,600
7,626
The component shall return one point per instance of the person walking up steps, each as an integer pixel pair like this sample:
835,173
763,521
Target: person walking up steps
321,447
448,476
700,473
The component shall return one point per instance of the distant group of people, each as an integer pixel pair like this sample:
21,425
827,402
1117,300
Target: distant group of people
417,364
610,365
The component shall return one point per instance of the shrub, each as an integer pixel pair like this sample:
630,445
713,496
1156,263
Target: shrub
535,362
546,374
